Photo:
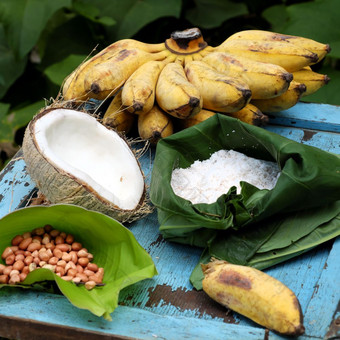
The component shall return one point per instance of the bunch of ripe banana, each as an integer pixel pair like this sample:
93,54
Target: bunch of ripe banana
183,81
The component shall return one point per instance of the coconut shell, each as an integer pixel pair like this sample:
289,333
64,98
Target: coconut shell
61,187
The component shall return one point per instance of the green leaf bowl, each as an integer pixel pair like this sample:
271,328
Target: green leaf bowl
113,246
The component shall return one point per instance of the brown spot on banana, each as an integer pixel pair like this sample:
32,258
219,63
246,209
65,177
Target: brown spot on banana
232,278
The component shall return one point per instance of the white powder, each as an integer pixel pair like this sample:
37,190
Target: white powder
205,181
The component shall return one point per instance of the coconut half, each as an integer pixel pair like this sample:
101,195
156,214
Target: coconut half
74,159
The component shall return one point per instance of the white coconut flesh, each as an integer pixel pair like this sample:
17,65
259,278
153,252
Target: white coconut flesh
78,144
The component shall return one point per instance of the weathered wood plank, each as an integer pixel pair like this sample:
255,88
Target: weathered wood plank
166,306
309,116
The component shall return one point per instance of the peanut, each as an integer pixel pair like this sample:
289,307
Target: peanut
6,252
53,260
24,243
14,272
28,260
90,285
67,278
54,233
83,277
44,256
92,266
60,270
39,231
63,247
19,257
82,253
59,240
14,279
76,246
33,246
32,266
26,235
46,239
16,240
69,239
83,261
48,228
25,270
76,279
7,270
51,249
22,276
4,278
18,265
72,272
2,267
66,257
10,259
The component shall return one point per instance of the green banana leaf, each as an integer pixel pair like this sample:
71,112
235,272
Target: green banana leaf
256,227
113,246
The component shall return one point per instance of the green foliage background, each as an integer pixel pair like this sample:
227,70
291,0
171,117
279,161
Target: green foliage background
42,41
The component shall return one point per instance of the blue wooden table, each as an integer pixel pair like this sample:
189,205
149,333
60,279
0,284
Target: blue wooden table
166,306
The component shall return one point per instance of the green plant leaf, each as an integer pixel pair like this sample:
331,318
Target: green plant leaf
11,67
10,123
91,12
59,71
113,246
327,94
132,15
24,20
318,20
210,14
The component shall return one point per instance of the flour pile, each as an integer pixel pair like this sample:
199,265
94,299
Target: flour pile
205,181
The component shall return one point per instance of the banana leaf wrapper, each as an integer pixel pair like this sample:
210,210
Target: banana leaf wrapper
256,227
113,246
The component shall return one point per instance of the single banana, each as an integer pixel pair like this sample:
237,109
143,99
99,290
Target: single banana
313,80
320,49
138,94
104,80
254,294
250,114
175,94
117,117
198,118
264,80
283,102
219,92
73,88
154,125
289,56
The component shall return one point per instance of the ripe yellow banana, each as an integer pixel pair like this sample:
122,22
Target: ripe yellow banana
118,118
313,80
154,125
289,56
138,94
175,94
264,80
104,79
219,92
255,295
250,114
73,88
320,49
198,118
283,102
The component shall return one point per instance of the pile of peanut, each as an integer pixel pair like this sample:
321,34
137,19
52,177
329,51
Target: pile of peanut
52,249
